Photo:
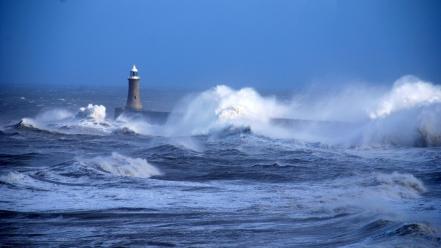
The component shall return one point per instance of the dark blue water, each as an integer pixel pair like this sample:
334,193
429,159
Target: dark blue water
88,180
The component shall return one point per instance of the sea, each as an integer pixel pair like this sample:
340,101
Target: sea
354,169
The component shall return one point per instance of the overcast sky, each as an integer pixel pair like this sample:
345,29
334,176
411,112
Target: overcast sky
200,43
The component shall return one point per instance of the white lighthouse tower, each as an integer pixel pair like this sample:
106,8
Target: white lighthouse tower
134,97
134,106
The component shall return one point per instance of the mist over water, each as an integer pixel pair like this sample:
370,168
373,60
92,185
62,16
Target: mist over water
358,167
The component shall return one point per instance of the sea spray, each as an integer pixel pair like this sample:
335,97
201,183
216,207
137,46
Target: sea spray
220,107
94,113
407,92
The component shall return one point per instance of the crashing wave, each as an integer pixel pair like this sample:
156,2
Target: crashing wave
220,107
397,184
133,124
376,190
88,120
407,92
418,126
26,123
409,115
120,165
29,124
94,113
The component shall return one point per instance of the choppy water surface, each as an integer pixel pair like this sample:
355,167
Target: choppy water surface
75,177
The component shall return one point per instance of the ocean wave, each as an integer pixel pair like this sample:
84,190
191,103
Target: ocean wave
375,192
415,229
396,184
86,121
94,113
13,178
406,115
220,107
89,120
417,126
23,180
135,124
26,123
387,233
120,165
407,92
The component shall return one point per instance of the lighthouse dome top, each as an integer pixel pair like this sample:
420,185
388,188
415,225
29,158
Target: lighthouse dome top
134,73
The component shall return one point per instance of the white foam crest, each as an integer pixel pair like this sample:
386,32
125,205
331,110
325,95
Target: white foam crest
29,122
90,119
120,165
377,186
221,107
397,185
407,92
47,119
135,125
13,178
417,126
389,193
20,179
95,113
409,114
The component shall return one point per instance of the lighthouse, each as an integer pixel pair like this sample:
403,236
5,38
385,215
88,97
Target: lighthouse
133,97
133,108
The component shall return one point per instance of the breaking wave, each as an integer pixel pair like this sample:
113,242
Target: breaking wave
23,180
396,184
221,107
407,92
120,165
88,120
93,113
408,115
377,188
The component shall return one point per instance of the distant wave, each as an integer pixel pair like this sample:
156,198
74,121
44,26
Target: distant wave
88,120
376,189
115,165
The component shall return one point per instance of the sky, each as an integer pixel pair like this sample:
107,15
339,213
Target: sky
195,44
